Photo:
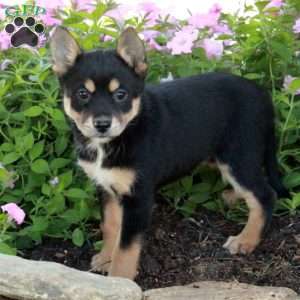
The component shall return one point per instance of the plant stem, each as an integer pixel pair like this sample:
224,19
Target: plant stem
286,122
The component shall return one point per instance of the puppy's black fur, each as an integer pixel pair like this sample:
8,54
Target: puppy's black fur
177,125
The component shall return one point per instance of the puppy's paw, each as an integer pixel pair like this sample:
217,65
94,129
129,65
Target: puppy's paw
230,197
101,263
240,244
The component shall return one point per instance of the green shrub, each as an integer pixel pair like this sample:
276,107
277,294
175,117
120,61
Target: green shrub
38,166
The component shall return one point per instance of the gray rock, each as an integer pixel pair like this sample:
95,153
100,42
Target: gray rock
211,290
36,280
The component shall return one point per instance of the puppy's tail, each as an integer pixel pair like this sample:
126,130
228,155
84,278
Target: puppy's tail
272,168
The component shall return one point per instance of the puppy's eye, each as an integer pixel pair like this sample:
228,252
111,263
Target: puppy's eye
120,95
83,94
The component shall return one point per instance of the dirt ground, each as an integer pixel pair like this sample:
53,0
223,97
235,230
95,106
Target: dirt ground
184,250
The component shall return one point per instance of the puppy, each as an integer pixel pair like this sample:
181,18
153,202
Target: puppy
131,138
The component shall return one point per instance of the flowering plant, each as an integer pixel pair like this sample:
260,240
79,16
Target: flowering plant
36,151
11,214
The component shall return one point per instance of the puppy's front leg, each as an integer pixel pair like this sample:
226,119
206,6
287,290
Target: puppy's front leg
111,225
136,217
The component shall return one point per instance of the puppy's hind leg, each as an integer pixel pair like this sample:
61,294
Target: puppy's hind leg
259,198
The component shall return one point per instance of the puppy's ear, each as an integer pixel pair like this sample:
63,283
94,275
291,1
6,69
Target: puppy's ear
131,49
64,50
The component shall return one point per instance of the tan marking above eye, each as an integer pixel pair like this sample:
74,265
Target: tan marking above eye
90,85
114,84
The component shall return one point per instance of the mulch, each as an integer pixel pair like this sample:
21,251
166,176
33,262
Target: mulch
181,250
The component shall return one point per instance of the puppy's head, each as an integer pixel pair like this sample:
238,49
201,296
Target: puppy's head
102,89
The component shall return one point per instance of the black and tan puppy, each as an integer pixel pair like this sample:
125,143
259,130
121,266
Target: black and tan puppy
132,138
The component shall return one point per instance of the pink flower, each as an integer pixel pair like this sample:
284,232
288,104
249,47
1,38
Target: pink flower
274,4
52,4
119,13
4,40
42,41
183,41
49,20
150,34
287,83
296,27
151,10
2,12
222,29
15,212
216,9
148,7
106,38
149,37
204,20
213,48
86,5
229,43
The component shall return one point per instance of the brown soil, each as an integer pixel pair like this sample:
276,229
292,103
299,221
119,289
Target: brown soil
183,250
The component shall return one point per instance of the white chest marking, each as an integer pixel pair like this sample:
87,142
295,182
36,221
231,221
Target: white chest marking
113,179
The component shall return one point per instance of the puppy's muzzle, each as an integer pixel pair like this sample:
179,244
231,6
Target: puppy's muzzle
102,123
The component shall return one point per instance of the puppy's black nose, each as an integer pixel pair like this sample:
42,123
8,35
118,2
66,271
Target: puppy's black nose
102,123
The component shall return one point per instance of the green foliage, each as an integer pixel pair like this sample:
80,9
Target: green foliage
37,155
36,148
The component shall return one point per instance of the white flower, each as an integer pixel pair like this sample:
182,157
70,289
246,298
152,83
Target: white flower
169,78
5,63
54,181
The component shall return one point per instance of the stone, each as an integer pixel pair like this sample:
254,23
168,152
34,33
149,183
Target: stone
212,290
38,280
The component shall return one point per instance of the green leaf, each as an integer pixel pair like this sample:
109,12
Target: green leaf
71,216
253,76
58,115
281,49
292,180
84,210
56,205
40,166
78,237
200,188
65,180
4,175
58,163
46,189
187,183
58,227
99,11
7,147
33,111
10,158
76,193
98,245
296,201
36,150
295,85
40,224
6,249
28,142
61,144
